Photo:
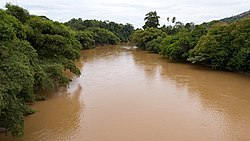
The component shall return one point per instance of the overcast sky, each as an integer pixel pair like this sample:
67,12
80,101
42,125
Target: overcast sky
133,11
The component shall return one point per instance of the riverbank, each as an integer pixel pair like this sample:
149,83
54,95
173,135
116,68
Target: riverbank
125,94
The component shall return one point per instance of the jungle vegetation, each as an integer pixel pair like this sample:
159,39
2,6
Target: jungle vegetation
217,44
120,30
34,52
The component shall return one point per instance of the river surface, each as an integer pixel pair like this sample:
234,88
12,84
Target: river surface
128,95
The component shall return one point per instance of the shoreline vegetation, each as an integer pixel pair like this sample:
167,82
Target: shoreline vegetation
35,52
217,44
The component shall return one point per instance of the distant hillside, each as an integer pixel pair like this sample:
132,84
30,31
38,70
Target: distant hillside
237,17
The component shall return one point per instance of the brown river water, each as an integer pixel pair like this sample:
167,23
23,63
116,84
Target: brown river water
128,95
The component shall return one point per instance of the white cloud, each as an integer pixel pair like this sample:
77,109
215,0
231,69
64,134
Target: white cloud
131,11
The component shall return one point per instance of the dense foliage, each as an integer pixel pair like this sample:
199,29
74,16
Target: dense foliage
177,46
151,20
20,13
224,46
121,31
86,38
148,39
34,52
104,37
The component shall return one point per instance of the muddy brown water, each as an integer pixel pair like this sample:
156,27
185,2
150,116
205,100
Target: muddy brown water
128,95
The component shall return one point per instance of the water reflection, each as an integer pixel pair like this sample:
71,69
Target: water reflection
100,53
149,64
136,96
223,93
129,97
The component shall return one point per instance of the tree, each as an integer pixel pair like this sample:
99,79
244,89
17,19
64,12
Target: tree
86,38
226,46
152,20
120,30
17,70
18,12
33,55
148,39
177,46
104,37
35,52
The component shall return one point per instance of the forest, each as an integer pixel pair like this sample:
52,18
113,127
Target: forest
218,44
35,51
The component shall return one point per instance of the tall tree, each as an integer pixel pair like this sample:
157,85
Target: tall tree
151,20
18,12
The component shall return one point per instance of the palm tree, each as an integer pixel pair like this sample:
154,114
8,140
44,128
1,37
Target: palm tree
152,20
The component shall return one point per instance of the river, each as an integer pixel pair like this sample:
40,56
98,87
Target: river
128,95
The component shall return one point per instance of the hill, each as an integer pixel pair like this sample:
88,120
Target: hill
236,17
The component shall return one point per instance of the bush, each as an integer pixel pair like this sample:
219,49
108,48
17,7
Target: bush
225,46
104,37
142,39
86,38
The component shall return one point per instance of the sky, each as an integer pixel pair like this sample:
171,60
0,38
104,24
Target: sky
133,11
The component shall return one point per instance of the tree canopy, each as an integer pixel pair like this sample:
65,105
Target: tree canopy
120,30
35,52
151,20
225,46
220,45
